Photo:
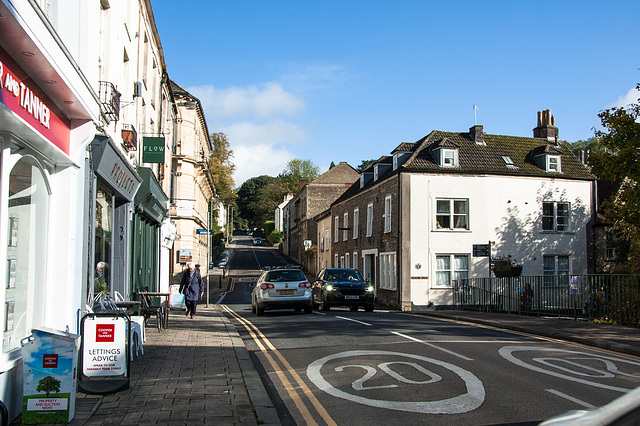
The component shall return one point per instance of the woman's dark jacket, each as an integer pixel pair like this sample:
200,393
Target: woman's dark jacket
191,285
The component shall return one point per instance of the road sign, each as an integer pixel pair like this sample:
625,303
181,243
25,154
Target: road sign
481,250
203,231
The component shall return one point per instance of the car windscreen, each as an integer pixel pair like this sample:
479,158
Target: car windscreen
346,275
282,276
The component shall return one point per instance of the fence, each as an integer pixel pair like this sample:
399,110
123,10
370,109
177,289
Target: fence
610,298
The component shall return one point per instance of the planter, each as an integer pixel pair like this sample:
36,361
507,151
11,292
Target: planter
508,272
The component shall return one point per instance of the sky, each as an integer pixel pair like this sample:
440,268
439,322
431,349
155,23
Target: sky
331,81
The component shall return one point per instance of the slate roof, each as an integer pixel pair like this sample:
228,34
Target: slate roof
487,159
482,158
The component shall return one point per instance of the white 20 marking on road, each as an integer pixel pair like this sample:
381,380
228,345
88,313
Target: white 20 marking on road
472,399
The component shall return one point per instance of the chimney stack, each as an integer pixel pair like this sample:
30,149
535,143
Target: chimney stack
546,126
303,183
477,135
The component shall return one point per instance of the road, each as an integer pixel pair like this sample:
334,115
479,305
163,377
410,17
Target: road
349,368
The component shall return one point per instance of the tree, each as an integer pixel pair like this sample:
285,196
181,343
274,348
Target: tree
269,197
249,195
222,168
48,385
619,161
297,170
364,164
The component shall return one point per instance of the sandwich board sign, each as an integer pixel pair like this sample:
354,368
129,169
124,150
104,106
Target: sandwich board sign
50,371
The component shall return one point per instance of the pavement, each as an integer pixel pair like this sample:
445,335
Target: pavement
199,370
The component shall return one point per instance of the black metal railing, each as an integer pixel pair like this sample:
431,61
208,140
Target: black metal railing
607,298
109,101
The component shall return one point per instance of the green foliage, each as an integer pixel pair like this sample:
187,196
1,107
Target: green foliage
275,236
48,385
268,227
364,164
295,171
618,161
222,168
259,196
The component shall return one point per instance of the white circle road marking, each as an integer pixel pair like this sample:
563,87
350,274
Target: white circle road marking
507,353
472,399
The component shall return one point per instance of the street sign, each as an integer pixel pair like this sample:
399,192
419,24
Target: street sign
481,250
203,231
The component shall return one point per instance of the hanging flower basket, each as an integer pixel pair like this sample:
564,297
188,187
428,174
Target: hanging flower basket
506,267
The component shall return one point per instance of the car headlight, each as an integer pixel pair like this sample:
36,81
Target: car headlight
370,288
329,287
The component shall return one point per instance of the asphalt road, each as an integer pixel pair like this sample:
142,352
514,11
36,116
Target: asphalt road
351,368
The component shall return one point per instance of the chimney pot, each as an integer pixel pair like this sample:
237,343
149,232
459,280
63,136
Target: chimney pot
546,126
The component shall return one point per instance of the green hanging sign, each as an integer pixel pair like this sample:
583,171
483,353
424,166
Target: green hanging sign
152,149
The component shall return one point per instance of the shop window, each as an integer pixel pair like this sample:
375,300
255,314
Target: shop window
103,230
26,252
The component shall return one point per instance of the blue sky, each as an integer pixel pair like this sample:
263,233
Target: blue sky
350,80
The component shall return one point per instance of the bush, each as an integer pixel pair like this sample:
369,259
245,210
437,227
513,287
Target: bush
275,236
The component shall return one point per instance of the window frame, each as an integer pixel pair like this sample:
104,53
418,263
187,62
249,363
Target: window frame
451,271
369,219
336,234
345,225
387,214
452,215
388,271
546,216
356,219
449,154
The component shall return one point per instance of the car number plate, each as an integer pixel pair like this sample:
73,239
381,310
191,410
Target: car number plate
352,297
286,292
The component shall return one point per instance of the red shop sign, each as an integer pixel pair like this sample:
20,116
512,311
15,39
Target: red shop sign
24,98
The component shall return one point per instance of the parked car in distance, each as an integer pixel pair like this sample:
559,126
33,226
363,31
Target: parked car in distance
257,241
281,288
342,287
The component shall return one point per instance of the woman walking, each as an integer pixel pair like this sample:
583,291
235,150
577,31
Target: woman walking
192,288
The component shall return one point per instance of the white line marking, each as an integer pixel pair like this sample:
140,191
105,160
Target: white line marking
319,313
507,353
432,346
351,319
570,398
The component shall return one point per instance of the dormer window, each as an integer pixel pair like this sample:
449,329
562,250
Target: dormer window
361,181
445,153
553,163
449,158
375,173
548,158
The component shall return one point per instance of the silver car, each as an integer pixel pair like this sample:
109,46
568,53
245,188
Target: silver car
281,288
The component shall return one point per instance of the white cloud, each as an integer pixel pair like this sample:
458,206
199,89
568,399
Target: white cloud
270,100
260,148
259,159
623,101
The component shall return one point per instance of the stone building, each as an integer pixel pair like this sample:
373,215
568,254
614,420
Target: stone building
312,198
191,190
410,224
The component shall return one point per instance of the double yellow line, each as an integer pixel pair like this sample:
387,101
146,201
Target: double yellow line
282,370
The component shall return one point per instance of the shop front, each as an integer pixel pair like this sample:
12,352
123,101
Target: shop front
150,209
34,150
112,185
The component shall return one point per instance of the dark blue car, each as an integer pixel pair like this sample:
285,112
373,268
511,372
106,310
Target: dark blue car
342,287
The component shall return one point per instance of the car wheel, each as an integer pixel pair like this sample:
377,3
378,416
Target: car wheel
368,308
324,305
259,311
353,308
